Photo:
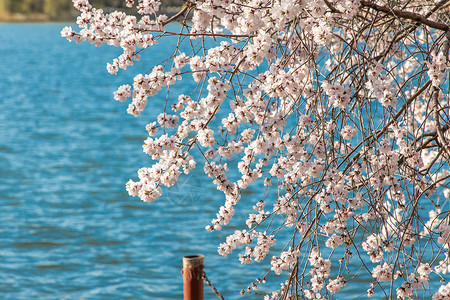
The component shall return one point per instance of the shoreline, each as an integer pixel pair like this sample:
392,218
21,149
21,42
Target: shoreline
64,17
35,18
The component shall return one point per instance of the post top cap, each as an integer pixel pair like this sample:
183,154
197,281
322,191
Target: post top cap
193,261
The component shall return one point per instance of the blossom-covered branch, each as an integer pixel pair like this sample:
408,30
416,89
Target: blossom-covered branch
339,109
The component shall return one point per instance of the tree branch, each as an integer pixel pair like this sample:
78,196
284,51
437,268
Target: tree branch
406,15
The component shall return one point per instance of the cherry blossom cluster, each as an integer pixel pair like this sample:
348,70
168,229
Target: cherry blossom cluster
338,110
286,260
436,69
116,29
443,293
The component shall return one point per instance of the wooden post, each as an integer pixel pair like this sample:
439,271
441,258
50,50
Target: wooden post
193,277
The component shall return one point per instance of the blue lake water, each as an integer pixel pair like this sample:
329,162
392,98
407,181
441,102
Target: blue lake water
68,229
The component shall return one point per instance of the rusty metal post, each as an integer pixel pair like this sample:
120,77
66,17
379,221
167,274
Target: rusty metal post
193,277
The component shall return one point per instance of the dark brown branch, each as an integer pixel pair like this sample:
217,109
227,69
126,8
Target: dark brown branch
406,15
401,34
177,15
440,134
331,7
